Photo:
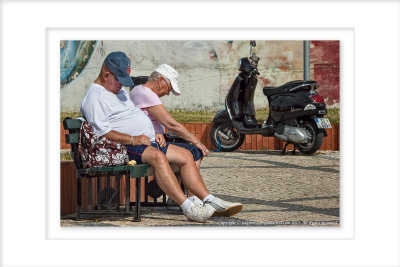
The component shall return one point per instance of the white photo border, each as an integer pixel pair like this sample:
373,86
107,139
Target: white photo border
25,221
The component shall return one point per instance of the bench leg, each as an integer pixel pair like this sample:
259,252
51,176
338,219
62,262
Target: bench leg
137,200
127,192
78,196
107,195
98,192
90,193
146,189
117,201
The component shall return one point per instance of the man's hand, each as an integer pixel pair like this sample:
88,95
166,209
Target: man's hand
141,140
160,140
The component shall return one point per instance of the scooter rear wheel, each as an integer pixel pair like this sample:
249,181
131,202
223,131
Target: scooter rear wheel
230,138
317,136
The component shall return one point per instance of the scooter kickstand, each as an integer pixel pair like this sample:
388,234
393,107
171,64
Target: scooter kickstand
284,149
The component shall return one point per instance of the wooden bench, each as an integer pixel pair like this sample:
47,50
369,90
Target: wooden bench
135,171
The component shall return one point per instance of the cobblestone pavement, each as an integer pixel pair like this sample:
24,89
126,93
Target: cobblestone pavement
276,190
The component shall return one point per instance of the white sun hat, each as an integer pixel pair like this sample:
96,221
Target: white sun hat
171,74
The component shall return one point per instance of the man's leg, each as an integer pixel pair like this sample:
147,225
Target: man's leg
165,177
189,171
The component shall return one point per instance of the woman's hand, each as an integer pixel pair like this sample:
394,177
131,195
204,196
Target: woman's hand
203,148
160,140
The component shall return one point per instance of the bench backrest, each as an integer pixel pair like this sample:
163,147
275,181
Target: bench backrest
73,127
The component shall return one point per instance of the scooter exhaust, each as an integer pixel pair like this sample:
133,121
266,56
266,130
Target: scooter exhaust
293,134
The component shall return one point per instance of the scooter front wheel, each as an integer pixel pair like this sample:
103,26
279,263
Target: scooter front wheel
229,137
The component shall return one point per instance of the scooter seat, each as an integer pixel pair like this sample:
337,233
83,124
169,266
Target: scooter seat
289,87
268,91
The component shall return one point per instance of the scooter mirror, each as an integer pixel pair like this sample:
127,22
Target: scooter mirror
253,43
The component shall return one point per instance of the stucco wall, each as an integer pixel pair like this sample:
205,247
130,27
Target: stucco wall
325,65
207,68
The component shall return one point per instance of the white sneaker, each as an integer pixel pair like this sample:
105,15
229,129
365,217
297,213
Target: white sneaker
224,208
196,200
199,213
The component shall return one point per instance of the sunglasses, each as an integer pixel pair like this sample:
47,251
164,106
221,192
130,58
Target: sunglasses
168,84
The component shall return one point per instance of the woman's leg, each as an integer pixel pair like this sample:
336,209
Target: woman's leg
188,169
197,155
198,162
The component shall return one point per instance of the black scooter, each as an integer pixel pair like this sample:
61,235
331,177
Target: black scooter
295,112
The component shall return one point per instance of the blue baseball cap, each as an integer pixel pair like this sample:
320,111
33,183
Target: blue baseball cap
120,65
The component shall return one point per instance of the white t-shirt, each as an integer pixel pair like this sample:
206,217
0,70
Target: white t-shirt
143,97
106,111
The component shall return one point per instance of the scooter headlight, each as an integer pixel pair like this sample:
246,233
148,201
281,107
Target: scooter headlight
310,107
244,64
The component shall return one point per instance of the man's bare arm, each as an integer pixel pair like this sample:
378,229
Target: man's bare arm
127,139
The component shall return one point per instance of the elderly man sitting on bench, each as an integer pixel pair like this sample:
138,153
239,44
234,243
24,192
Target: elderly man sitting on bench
111,113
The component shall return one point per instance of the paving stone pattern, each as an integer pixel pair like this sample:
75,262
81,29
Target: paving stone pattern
276,190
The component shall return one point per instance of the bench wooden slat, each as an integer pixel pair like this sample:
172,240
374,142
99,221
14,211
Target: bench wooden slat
137,171
72,138
72,124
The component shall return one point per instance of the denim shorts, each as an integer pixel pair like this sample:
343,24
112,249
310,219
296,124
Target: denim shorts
196,152
136,152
